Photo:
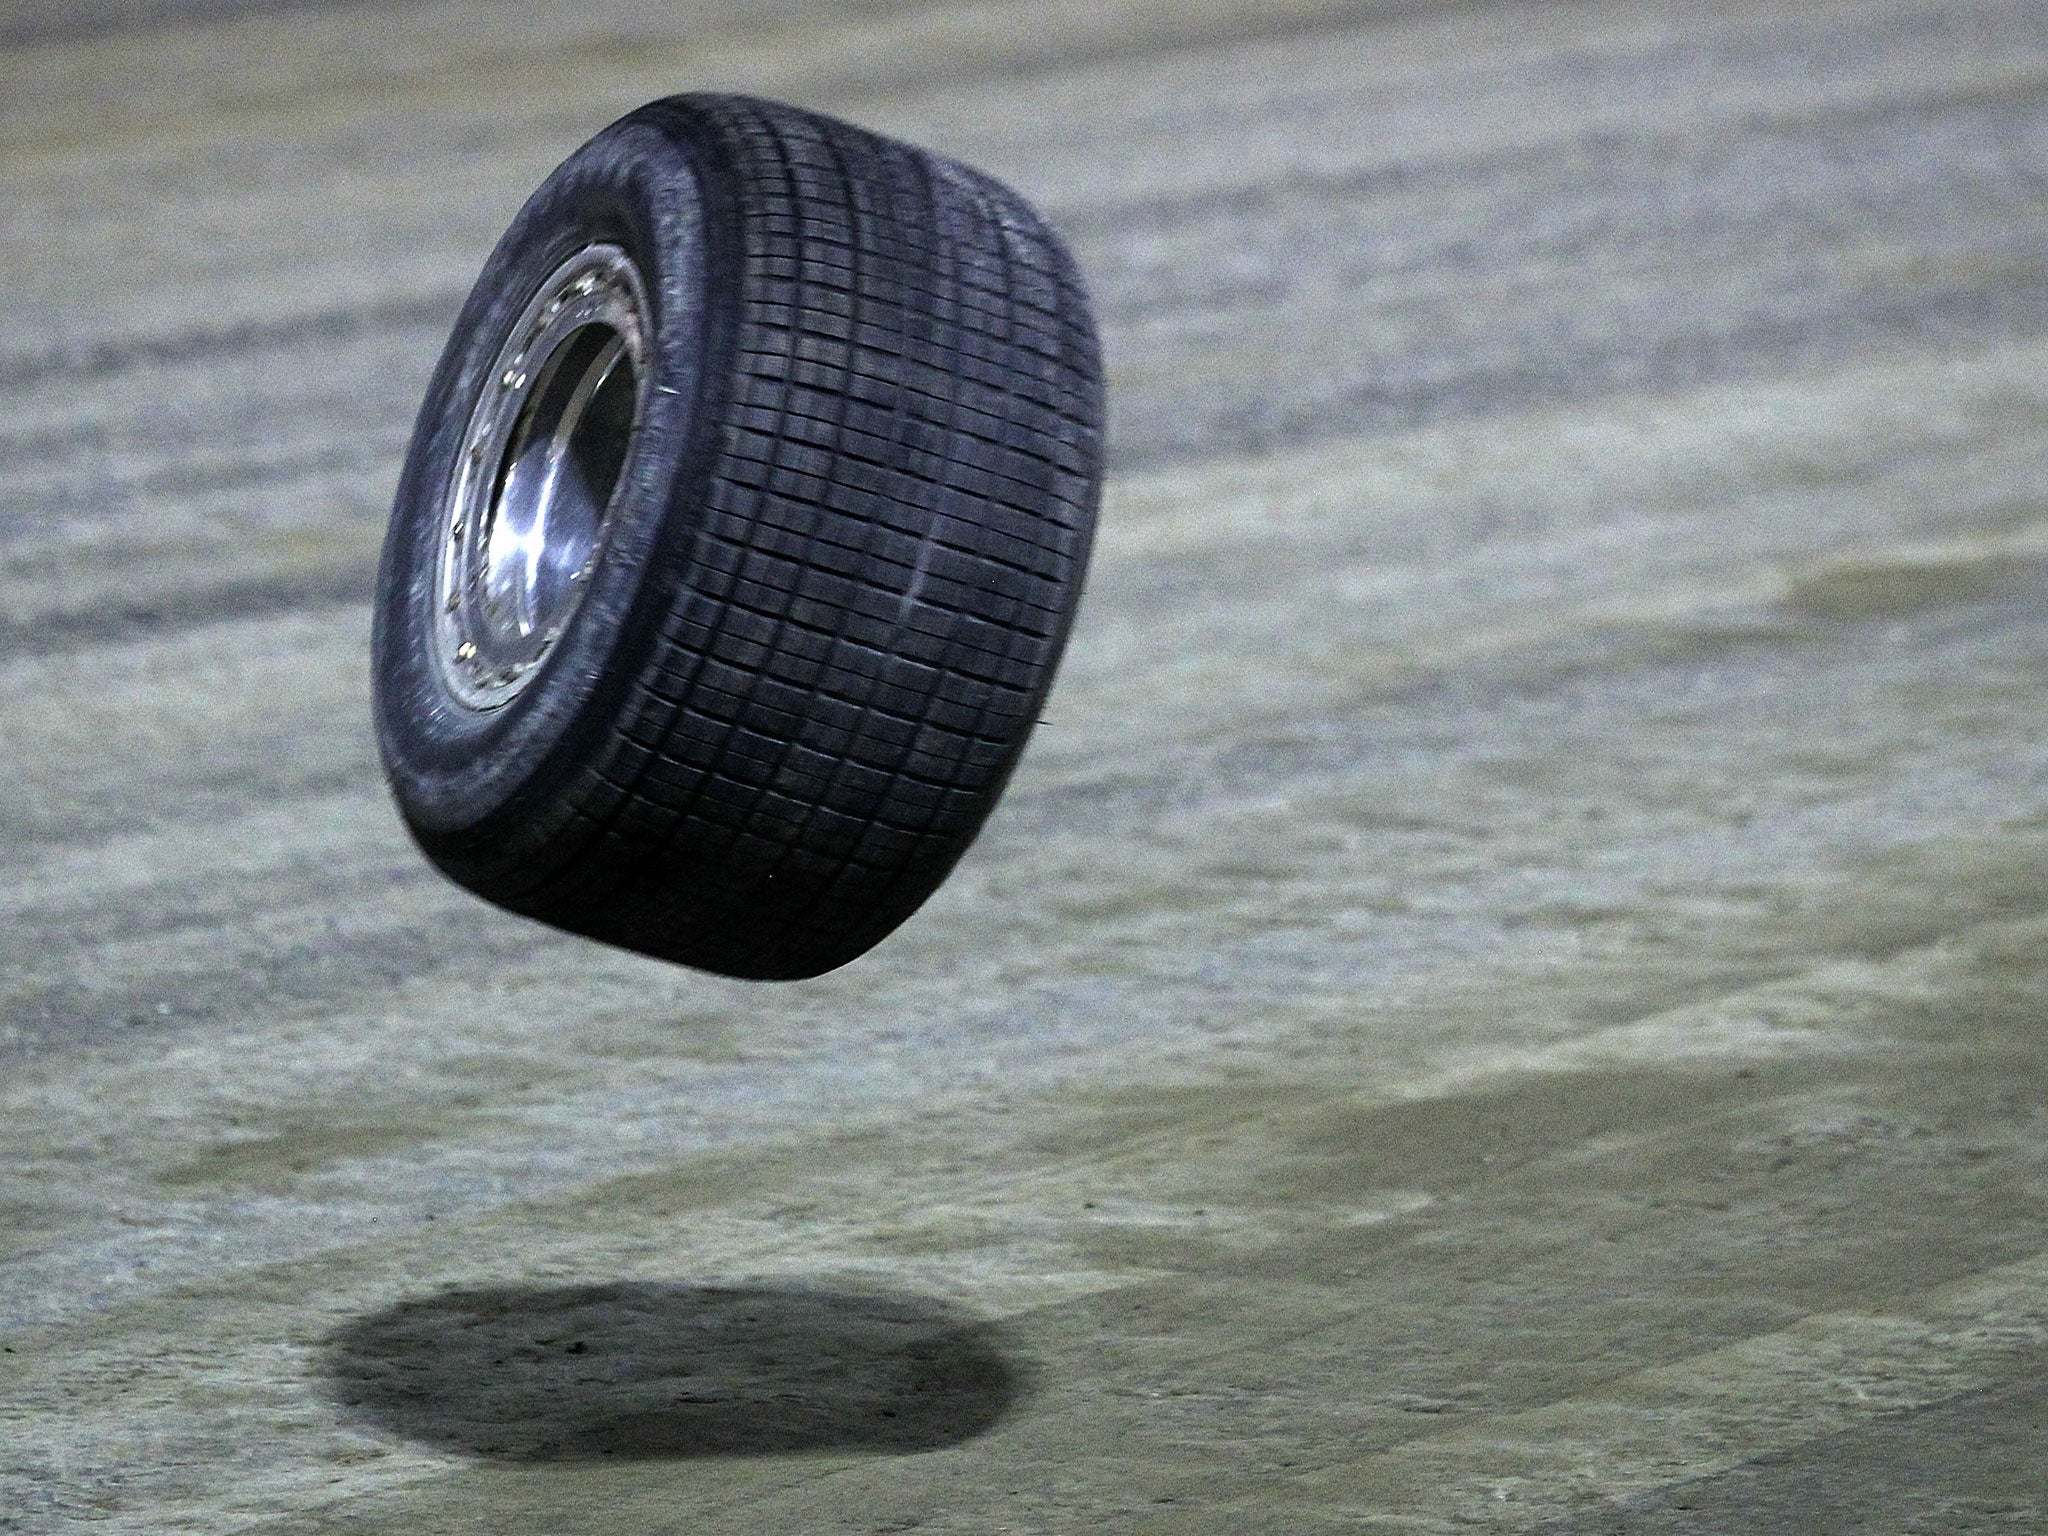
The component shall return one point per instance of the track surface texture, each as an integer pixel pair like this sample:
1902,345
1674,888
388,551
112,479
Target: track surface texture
1507,994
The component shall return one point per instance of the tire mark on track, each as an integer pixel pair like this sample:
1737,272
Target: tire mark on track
118,622
86,19
430,311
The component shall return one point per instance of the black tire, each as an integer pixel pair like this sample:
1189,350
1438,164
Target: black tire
833,581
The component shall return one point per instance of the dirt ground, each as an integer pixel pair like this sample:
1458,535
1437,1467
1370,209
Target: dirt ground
1508,995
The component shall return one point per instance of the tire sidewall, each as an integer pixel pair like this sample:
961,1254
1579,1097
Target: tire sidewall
458,772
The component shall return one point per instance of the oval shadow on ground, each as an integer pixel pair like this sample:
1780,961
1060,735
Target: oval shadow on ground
630,1369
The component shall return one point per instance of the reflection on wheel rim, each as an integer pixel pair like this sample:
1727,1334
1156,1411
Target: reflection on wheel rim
540,461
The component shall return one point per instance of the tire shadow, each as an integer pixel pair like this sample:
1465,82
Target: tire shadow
535,1373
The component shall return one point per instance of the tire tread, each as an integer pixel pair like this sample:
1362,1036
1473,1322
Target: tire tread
889,558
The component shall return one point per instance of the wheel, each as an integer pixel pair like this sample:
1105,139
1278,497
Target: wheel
740,534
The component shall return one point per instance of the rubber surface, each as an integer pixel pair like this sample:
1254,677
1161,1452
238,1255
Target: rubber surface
841,567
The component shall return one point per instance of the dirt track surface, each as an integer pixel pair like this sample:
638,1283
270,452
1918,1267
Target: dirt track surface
1508,995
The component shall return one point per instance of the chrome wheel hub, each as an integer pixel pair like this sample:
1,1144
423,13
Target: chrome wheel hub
540,461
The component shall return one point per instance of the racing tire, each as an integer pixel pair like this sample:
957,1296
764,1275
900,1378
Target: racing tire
741,531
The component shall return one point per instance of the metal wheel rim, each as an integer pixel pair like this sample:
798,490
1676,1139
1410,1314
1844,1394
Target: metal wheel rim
540,463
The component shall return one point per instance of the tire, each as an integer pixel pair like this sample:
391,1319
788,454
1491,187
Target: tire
741,530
